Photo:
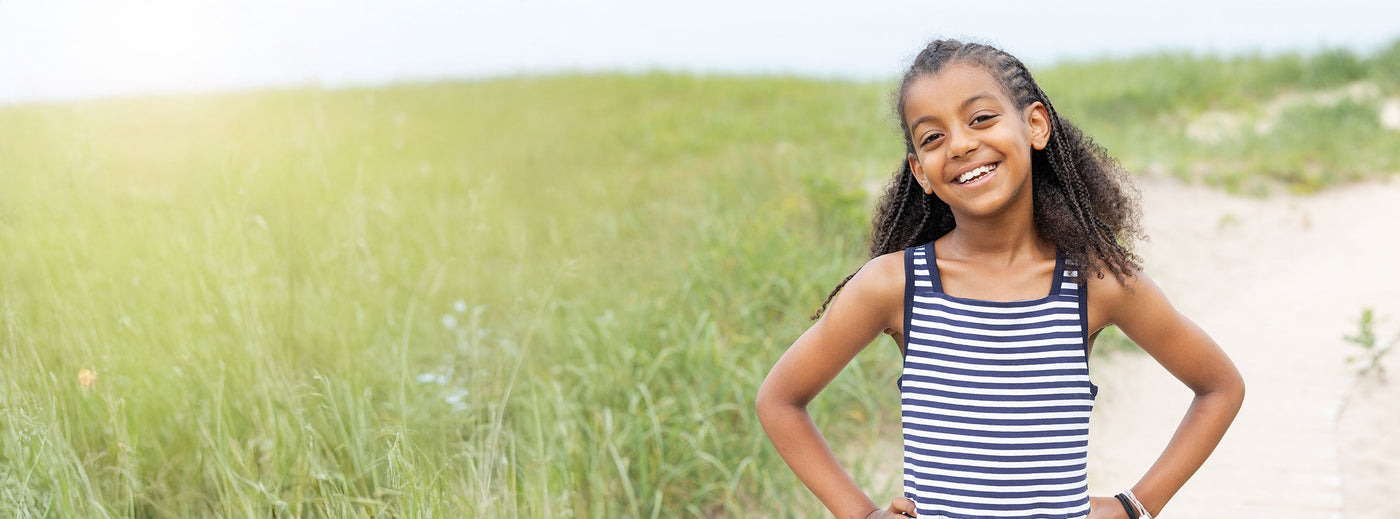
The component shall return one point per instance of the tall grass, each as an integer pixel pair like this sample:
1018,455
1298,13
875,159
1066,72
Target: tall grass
524,297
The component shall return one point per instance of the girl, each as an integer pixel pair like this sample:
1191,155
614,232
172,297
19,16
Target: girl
1000,201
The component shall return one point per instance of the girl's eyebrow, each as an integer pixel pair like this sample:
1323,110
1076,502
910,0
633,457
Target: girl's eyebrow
975,97
980,95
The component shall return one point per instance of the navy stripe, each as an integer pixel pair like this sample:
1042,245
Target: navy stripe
1069,420
1002,471
908,296
1014,374
993,399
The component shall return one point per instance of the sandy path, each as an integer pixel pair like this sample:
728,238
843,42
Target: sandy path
1277,283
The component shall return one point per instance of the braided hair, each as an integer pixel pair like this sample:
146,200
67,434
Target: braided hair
1084,203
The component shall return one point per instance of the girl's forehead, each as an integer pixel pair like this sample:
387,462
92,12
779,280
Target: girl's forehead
949,89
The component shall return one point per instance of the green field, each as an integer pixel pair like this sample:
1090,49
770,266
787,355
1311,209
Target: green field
522,297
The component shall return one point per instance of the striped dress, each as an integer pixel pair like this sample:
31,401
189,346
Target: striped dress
995,399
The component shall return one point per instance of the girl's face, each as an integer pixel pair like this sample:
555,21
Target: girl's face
972,146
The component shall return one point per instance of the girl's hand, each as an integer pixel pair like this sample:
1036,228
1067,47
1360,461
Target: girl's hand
1106,508
900,508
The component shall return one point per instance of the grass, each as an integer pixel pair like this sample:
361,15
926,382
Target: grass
522,297
1373,350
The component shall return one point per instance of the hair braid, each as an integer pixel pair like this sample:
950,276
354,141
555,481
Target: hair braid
1105,243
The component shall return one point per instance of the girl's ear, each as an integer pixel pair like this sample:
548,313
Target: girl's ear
918,171
1039,120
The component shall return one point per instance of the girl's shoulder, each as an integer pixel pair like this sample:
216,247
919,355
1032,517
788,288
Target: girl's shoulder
884,273
1135,297
878,285
1105,288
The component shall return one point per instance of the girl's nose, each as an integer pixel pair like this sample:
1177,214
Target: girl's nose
961,144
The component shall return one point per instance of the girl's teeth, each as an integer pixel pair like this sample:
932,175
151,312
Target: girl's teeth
969,176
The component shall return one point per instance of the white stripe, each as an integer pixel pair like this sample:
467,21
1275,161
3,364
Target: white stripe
1000,333
1008,442
1008,369
1002,414
1067,501
1068,341
1048,305
958,449
998,452
998,488
1048,432
1048,470
1019,379
1068,392
1066,317
914,347
934,482
985,391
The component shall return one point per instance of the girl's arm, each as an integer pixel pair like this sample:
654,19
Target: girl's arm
1145,315
873,301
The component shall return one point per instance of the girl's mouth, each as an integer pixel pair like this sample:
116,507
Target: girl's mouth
976,174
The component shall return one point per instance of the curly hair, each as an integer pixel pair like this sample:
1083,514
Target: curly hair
1084,202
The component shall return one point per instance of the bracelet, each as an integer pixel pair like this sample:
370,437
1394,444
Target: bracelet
1127,506
1141,508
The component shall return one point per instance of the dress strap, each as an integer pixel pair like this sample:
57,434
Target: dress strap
922,268
1058,281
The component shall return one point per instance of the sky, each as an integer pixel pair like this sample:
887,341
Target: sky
77,49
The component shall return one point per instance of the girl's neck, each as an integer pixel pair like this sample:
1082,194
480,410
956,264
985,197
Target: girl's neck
1000,241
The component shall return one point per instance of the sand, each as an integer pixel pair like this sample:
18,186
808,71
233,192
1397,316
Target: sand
1278,283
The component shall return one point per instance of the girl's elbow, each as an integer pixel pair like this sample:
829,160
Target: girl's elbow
1227,389
766,407
764,402
769,403
1237,391
1232,391
760,404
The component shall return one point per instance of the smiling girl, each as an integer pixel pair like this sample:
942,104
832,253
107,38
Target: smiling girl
999,252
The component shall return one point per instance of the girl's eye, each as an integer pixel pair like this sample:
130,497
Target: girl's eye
929,139
982,118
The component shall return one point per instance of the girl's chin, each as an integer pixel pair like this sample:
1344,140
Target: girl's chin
984,204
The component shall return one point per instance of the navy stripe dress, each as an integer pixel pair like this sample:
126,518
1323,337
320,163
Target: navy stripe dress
995,399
